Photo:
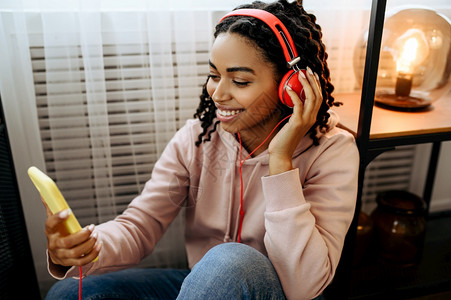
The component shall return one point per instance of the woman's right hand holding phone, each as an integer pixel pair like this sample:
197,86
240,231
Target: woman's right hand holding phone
75,249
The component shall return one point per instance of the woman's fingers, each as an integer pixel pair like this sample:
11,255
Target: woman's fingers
313,94
78,238
54,222
298,103
315,84
308,109
79,256
74,249
47,209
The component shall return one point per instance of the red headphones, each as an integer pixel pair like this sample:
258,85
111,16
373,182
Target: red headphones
289,50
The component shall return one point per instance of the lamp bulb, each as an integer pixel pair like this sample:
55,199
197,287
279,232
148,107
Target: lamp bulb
413,49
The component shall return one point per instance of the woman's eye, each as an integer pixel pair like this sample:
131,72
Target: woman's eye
241,83
213,76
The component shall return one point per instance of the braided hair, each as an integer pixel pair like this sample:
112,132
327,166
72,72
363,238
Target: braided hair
306,35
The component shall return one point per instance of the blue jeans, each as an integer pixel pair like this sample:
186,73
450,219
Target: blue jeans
227,271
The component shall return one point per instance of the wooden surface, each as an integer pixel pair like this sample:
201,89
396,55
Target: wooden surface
389,123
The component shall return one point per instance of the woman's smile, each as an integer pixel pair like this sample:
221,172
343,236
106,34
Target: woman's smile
225,114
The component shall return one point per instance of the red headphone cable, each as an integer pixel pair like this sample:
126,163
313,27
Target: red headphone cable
79,283
241,174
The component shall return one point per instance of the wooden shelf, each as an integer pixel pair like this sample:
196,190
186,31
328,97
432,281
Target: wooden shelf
392,124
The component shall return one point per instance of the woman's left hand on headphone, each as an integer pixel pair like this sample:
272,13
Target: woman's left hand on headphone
282,146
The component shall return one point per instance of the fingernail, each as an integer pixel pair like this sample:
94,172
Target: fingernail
94,235
98,246
317,77
90,227
309,71
289,88
64,214
302,74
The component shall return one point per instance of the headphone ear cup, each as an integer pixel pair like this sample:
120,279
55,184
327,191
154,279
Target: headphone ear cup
291,79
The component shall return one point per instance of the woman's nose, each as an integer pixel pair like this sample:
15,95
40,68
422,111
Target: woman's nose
220,92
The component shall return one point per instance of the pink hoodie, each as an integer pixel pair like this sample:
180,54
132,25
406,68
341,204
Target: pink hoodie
299,218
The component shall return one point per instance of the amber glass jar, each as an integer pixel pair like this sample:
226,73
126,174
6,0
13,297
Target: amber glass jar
363,238
399,224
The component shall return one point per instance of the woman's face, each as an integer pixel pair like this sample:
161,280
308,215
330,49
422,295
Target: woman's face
242,85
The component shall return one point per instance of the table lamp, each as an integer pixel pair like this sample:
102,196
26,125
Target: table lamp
415,59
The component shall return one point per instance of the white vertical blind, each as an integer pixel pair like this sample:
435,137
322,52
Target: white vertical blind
111,90
107,106
391,170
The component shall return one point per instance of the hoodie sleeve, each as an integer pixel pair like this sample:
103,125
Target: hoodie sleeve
133,235
307,224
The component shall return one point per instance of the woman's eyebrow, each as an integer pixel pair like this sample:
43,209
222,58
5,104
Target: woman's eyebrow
240,69
212,65
234,69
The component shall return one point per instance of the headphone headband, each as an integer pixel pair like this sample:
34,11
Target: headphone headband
281,32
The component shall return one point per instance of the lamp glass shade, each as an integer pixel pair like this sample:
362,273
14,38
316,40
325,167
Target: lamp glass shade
415,59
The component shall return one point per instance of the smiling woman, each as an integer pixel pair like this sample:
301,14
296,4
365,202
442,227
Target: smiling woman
230,180
105,91
94,90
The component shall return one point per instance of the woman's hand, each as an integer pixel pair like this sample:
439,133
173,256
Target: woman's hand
75,249
282,146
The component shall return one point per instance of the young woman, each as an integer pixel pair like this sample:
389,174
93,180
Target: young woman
269,190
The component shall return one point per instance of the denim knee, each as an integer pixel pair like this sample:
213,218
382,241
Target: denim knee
236,255
232,271
64,289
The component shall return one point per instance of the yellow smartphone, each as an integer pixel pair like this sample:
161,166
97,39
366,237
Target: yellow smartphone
54,199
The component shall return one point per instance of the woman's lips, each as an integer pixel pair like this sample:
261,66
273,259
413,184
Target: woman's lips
227,114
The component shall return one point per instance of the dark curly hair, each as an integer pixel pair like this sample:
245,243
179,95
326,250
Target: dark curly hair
306,35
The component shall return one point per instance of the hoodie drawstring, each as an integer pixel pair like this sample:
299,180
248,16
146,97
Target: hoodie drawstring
241,173
227,237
